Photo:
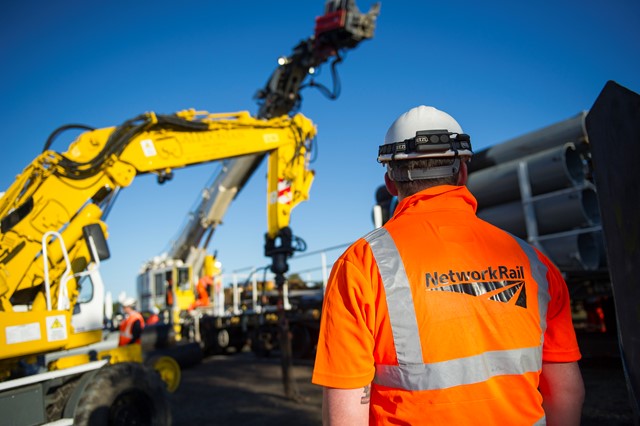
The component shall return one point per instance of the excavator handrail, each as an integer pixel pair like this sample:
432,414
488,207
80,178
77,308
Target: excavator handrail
62,291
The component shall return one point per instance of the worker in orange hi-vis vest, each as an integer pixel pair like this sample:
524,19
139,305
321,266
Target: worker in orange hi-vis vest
169,292
439,317
202,292
154,316
133,324
212,268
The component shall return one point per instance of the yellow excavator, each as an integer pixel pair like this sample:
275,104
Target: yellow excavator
53,235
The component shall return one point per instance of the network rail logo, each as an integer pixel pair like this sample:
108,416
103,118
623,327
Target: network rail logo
500,284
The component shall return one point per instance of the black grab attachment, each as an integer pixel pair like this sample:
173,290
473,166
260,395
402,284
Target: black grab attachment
280,249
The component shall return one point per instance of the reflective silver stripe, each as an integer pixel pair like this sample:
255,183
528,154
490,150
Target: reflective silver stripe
539,274
461,371
541,422
411,373
127,330
402,313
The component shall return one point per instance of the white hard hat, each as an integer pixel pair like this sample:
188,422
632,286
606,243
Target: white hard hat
129,302
424,132
420,118
155,310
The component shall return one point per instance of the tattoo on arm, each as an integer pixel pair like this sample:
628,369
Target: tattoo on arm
366,396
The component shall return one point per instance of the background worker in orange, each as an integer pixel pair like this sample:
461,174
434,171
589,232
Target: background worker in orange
154,316
439,317
202,292
212,268
169,289
132,325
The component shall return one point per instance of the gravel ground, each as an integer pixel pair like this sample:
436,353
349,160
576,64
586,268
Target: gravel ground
243,390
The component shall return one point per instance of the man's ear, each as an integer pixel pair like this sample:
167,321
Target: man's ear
463,174
391,185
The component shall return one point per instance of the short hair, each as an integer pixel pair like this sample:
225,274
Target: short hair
411,187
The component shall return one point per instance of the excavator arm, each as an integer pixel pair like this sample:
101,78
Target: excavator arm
64,192
159,144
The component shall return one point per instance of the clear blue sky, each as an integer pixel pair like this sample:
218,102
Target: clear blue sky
501,68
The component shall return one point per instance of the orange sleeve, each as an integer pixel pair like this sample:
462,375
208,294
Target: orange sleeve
560,343
344,357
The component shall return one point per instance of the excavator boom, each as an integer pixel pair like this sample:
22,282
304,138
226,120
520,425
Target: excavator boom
64,192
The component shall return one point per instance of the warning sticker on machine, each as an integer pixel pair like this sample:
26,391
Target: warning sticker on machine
56,328
22,333
148,148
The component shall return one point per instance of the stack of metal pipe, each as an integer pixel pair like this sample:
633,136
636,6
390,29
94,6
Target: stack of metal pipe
539,187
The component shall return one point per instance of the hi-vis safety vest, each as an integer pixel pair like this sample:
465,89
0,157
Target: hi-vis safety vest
125,328
411,373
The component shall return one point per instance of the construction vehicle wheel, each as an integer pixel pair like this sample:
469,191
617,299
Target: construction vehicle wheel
223,339
124,393
57,400
168,369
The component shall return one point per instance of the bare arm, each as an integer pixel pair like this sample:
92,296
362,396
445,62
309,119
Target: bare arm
562,391
346,406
